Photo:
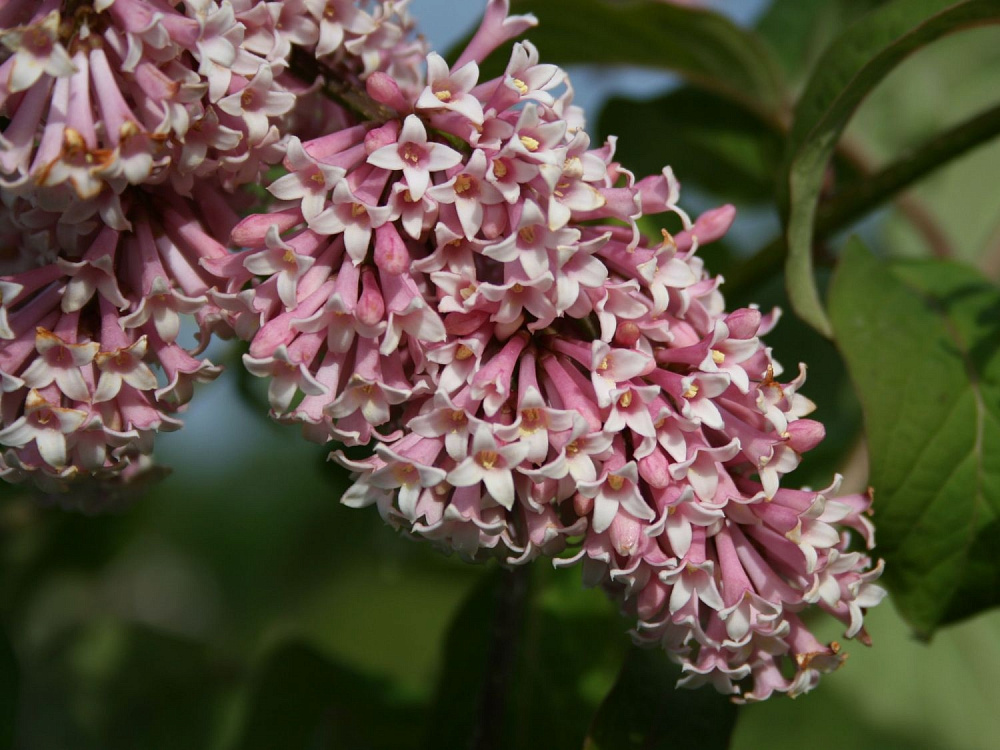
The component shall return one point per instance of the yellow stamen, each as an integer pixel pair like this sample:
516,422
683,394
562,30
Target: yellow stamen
527,234
487,459
529,143
691,392
520,85
463,352
626,400
357,209
72,141
616,482
405,474
410,154
499,169
127,130
718,357
463,183
443,95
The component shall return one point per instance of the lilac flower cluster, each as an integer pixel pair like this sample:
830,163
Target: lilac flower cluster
463,285
451,273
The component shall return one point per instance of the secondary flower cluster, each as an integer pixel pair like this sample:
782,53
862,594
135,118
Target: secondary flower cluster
460,282
127,127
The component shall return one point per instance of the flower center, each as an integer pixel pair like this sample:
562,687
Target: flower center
411,154
529,143
38,41
616,482
487,459
405,474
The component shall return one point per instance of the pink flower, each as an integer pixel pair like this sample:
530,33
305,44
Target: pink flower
451,90
415,156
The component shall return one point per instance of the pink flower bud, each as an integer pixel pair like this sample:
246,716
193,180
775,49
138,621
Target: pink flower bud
371,307
383,88
743,323
805,434
391,255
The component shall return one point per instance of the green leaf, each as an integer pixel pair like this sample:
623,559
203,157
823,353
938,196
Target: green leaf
303,700
105,685
704,47
645,711
850,68
799,30
708,140
922,344
526,663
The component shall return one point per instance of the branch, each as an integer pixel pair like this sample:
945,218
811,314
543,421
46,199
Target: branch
511,605
349,94
881,186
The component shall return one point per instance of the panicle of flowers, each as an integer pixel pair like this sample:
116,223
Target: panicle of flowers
127,126
462,284
79,338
